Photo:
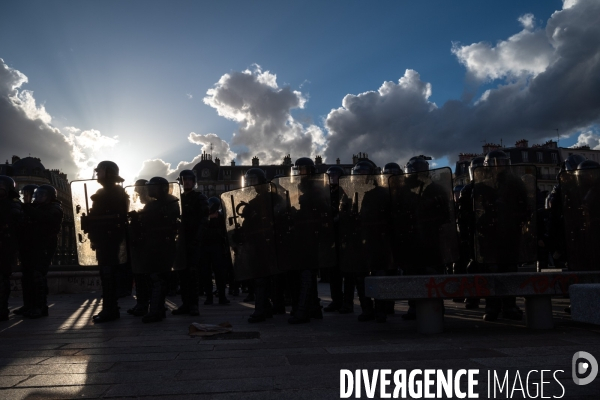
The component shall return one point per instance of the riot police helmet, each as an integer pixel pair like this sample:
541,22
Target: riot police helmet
572,162
254,176
110,171
187,174
157,187
417,164
44,194
214,205
27,192
29,188
362,168
334,174
588,164
304,166
392,168
475,162
496,158
7,184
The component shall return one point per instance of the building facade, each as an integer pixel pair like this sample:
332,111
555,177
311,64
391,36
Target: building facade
546,157
214,178
30,170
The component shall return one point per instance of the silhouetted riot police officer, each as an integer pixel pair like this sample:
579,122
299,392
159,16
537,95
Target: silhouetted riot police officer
194,217
26,257
106,231
10,219
142,281
503,236
341,284
465,218
215,249
305,297
159,222
252,215
45,215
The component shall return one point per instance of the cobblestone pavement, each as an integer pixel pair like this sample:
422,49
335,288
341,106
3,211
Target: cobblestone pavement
66,356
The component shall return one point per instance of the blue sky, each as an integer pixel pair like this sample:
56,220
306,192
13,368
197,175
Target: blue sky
139,70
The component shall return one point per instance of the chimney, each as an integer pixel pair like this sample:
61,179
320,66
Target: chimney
550,144
233,163
466,156
522,143
318,160
218,161
15,159
337,161
354,158
255,161
287,161
489,147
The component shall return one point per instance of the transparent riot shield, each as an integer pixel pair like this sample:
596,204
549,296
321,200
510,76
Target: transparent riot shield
504,200
424,223
156,242
581,209
304,222
249,220
100,218
364,224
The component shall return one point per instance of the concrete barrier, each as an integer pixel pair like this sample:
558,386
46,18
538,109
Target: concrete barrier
585,302
427,290
64,282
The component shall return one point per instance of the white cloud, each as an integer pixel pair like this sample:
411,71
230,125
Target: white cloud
25,128
589,138
549,80
262,109
220,148
526,53
528,21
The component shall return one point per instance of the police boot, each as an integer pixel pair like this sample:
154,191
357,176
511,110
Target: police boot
472,303
157,300
305,305
510,310
182,310
368,313
40,307
381,308
411,314
110,307
142,295
222,298
27,288
492,309
260,303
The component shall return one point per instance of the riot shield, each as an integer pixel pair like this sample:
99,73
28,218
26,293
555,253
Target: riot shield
100,216
364,224
156,242
249,220
581,208
504,200
424,223
304,222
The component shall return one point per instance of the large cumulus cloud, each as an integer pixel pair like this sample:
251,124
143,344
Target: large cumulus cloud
546,78
25,128
267,129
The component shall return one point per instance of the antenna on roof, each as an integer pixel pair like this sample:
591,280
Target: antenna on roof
557,137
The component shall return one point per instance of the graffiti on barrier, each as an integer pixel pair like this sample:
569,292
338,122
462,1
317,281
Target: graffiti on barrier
546,283
473,286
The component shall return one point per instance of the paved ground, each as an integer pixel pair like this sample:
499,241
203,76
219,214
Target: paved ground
65,356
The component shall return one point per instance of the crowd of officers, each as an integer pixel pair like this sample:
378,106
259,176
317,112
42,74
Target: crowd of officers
121,236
